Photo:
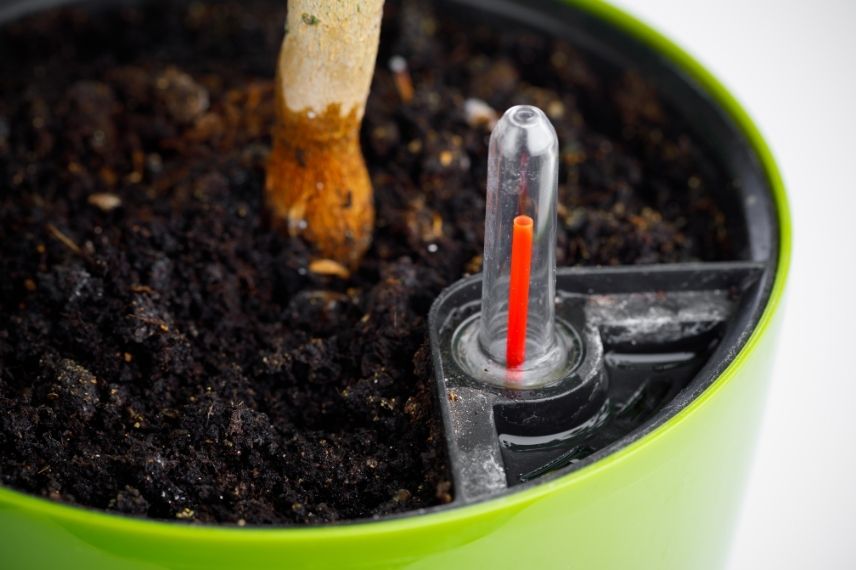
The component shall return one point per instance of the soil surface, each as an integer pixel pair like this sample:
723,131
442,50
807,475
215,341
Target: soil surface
164,354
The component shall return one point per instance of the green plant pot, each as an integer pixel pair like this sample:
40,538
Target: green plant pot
663,497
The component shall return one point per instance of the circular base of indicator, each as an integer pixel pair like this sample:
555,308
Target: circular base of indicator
553,366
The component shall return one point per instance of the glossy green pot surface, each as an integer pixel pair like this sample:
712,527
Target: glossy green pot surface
666,500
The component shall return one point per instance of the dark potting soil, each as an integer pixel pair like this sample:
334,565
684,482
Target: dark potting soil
164,354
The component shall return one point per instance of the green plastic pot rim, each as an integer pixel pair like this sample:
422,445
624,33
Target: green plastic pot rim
422,519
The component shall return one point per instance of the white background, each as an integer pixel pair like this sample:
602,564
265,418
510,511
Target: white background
792,64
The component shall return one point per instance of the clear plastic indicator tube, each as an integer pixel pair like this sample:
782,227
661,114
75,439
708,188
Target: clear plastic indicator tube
522,181
515,340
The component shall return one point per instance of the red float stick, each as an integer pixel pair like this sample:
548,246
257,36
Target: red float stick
518,291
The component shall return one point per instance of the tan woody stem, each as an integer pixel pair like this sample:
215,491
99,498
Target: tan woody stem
317,183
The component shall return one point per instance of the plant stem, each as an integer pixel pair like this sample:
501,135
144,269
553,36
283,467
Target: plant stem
318,186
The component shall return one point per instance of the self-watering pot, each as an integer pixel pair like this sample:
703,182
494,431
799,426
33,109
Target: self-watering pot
635,457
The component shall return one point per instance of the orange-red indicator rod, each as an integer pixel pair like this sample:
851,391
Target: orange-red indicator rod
518,291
